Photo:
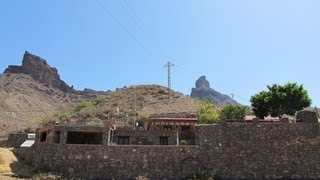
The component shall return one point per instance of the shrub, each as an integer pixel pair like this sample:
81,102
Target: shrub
183,142
100,100
202,175
63,114
208,114
233,112
83,106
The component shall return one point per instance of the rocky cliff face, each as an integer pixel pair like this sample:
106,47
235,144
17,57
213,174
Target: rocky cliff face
33,91
39,70
203,91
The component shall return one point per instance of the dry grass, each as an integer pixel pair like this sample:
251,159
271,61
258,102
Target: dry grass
6,158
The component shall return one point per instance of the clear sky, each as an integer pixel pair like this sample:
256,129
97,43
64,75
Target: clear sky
240,45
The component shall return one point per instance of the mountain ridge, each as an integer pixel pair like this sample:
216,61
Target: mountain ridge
34,92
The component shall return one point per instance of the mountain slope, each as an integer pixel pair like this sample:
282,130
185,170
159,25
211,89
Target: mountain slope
123,104
32,91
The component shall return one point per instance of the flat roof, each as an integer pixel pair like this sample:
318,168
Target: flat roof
27,143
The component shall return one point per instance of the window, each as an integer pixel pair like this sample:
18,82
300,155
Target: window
163,141
43,136
84,137
123,140
56,137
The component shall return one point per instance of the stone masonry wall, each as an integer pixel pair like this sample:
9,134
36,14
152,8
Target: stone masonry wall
230,150
122,162
261,151
14,140
151,137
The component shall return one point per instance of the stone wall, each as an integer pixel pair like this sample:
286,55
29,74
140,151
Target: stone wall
146,137
258,151
230,150
122,162
14,140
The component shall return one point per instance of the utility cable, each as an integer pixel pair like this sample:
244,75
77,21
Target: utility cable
120,24
140,24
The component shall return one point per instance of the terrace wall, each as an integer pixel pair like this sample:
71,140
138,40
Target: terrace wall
230,150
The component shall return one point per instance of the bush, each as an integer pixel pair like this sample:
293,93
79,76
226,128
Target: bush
208,114
202,175
183,142
83,106
233,112
99,100
63,115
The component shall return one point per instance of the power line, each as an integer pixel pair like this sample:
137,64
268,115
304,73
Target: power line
119,23
140,24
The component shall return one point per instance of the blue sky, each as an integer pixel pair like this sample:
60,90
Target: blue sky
240,45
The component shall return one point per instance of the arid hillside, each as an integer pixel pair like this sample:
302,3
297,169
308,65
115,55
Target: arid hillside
126,105
25,102
33,91
33,94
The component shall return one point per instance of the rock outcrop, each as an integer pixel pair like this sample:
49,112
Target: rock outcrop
203,91
39,70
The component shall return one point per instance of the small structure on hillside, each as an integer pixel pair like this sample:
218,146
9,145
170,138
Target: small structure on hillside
182,123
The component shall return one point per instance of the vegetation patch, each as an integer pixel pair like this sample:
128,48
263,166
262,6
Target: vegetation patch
84,105
202,175
233,112
279,100
208,113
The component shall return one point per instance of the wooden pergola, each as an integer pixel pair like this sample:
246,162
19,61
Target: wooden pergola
172,122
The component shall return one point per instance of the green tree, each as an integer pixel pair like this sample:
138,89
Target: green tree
260,104
208,114
233,112
280,99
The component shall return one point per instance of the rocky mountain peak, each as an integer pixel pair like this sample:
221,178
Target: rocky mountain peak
203,91
202,83
39,70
